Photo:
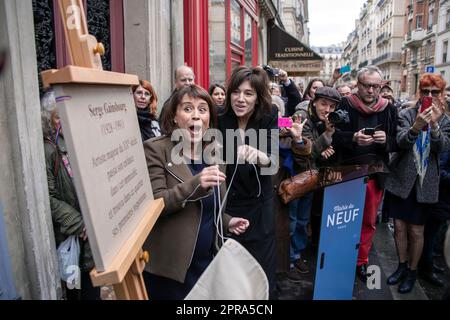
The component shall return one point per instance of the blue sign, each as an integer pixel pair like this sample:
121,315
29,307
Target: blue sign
7,291
429,69
342,215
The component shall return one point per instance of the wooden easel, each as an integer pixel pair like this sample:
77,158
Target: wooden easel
125,272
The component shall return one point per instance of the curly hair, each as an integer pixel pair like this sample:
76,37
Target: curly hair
432,79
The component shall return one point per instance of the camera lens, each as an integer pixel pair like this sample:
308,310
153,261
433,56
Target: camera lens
334,118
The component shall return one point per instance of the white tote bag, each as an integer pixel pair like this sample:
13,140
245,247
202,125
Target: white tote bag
232,275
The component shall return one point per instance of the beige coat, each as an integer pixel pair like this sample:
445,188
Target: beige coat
171,242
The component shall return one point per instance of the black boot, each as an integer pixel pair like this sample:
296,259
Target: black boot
408,284
398,275
361,272
438,269
427,273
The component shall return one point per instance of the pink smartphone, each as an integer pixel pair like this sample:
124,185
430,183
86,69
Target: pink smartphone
426,103
284,122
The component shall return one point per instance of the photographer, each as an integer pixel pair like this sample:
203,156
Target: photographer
368,137
291,95
311,135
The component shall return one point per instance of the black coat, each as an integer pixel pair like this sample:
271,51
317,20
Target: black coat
293,98
148,125
349,152
251,194
442,209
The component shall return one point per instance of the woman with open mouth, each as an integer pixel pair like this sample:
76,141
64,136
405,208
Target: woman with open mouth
185,237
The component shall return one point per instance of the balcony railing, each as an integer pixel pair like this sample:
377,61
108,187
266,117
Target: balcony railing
381,37
388,57
363,64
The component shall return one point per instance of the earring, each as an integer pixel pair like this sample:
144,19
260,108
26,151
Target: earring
175,121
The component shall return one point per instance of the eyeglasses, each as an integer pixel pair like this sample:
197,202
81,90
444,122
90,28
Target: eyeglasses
143,93
426,92
367,86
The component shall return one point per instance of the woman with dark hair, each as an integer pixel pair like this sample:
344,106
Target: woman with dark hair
310,91
218,93
185,237
249,112
146,103
413,184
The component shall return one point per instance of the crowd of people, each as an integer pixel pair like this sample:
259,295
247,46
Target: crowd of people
411,142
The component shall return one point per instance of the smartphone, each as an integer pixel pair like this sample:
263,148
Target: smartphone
426,103
369,131
284,122
344,69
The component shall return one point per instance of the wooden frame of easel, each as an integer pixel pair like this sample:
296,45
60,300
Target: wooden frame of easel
125,272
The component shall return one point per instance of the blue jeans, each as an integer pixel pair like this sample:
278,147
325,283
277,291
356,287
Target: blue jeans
299,215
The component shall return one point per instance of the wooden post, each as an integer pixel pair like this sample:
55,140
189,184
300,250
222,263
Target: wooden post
84,50
125,270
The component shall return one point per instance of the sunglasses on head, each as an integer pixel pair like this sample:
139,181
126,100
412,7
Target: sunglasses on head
426,92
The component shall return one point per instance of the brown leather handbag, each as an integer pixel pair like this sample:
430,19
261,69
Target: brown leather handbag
299,185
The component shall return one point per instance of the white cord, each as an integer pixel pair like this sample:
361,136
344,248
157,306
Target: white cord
259,182
218,219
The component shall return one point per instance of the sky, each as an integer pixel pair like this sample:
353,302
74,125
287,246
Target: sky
331,21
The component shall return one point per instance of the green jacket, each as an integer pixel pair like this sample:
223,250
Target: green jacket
66,215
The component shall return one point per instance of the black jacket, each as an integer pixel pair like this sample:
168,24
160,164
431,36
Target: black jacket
148,125
251,194
349,152
293,98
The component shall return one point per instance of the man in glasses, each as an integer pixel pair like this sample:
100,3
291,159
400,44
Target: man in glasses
367,138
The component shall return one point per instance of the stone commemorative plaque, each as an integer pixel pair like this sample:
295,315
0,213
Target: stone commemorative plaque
100,127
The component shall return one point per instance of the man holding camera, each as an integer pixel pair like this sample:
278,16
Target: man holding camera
367,138
291,95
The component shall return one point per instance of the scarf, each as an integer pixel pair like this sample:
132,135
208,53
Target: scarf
357,104
148,124
421,151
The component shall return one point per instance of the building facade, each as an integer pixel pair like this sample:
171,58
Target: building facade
332,59
294,14
149,38
441,58
389,15
420,25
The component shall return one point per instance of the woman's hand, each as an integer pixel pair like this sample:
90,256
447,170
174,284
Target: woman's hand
297,128
211,177
252,155
437,111
238,226
423,119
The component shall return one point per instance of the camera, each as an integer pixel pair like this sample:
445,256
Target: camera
271,72
339,116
